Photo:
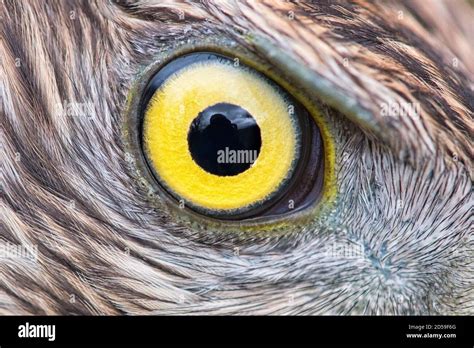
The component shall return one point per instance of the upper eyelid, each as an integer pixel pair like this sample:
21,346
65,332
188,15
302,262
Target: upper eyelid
315,84
302,76
412,138
327,92
356,91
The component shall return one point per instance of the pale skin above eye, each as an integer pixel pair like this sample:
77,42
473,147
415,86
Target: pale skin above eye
358,180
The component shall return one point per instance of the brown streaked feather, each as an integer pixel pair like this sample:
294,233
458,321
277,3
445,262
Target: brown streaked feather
103,250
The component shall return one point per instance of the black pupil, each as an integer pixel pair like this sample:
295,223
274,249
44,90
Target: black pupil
224,139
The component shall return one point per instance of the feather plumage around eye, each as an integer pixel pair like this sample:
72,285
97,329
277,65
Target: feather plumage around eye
395,237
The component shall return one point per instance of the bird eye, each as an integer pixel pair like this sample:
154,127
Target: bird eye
227,141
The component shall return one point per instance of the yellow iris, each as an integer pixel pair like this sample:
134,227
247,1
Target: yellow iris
178,101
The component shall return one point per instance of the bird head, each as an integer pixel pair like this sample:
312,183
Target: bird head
101,215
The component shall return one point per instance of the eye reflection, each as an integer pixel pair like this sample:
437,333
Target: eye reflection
224,139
